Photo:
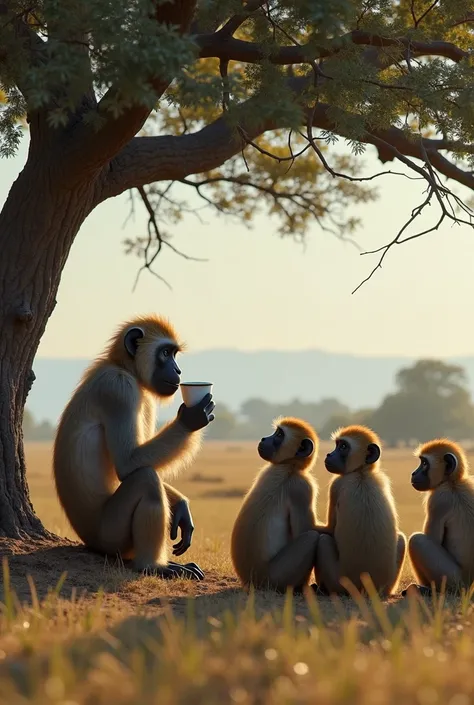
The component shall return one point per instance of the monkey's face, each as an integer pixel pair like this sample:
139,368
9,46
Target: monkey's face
155,361
270,445
420,478
350,455
286,444
335,462
433,470
166,375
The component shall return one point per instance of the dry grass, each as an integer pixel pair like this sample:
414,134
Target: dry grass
99,635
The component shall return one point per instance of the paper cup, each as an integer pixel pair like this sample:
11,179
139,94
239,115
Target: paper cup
193,392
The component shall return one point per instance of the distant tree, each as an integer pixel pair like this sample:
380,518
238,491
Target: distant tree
432,400
432,377
44,431
318,413
346,417
32,431
333,423
293,408
223,426
256,409
363,417
28,424
259,413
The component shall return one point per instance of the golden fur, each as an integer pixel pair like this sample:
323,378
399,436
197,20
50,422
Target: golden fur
361,520
106,434
446,546
296,431
436,450
155,328
273,540
359,438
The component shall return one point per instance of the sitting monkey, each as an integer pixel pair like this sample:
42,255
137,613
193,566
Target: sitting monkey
361,535
108,455
273,540
445,549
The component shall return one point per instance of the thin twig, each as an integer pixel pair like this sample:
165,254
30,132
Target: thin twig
443,196
223,69
425,13
233,24
155,236
265,152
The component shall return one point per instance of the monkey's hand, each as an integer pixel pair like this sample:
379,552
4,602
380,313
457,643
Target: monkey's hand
196,417
181,517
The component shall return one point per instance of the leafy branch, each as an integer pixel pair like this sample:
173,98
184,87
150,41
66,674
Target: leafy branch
250,97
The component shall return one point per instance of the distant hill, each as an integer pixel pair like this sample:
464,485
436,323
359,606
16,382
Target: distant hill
309,375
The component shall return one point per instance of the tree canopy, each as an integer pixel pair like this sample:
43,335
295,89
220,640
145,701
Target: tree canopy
432,400
250,96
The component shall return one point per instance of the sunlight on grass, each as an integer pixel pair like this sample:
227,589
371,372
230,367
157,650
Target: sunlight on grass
411,651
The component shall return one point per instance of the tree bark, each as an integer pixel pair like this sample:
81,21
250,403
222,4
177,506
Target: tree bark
38,224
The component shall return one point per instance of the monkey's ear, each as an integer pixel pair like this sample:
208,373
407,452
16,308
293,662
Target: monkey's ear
131,339
305,449
451,463
373,453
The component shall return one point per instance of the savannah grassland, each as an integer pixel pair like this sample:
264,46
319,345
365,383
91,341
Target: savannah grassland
75,629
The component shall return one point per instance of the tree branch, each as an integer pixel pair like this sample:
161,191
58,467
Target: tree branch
467,19
221,45
233,24
117,130
27,39
148,159
293,196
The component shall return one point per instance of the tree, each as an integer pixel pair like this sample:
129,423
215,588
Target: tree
223,425
259,414
240,80
432,377
432,400
32,431
333,423
315,413
345,417
28,424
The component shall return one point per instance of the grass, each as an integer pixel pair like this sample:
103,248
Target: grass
83,631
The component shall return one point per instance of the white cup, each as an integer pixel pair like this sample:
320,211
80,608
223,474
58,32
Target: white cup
193,392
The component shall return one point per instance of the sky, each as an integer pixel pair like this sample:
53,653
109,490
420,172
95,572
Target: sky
258,291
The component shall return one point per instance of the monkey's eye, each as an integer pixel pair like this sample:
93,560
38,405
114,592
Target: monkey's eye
343,445
166,352
279,433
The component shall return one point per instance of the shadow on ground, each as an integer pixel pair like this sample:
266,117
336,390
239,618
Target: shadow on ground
44,562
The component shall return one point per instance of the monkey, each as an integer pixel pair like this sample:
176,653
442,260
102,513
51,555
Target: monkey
108,457
361,532
445,548
273,541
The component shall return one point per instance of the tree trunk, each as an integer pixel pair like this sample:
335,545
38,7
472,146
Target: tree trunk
38,224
